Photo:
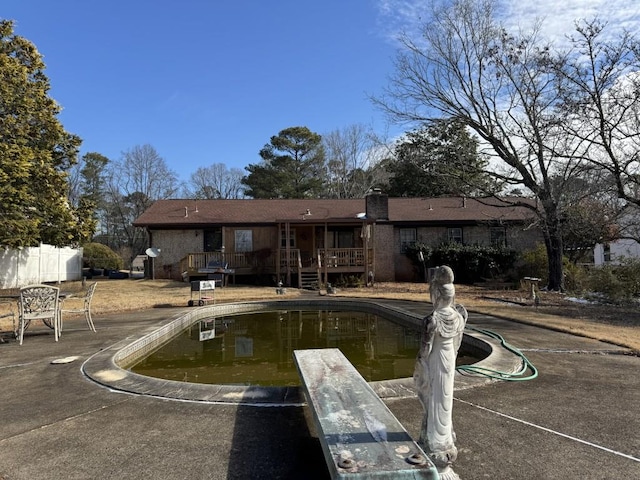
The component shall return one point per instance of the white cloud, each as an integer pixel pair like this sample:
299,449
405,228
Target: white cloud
558,17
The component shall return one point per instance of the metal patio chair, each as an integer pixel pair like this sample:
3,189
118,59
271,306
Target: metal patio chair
39,302
85,308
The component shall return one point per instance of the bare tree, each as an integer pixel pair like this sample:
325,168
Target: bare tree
142,170
216,181
504,87
138,179
353,162
602,102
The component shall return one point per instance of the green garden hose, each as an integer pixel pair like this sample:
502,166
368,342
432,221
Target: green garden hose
497,374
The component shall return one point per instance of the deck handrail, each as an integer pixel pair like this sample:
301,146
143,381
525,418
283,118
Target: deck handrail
342,257
196,261
277,260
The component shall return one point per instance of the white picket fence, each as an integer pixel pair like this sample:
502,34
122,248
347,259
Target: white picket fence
45,263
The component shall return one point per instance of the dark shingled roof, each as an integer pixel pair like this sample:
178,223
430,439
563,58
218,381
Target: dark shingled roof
189,213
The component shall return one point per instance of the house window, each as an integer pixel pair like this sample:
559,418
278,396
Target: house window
455,235
607,253
244,240
408,237
341,238
292,238
345,239
498,237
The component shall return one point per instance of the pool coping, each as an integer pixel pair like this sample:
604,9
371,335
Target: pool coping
108,367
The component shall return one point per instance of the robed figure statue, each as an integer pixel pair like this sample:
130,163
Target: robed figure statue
435,369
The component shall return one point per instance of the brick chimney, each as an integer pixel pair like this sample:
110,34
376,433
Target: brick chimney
377,205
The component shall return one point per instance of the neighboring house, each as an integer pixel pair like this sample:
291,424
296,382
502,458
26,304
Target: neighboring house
611,253
627,225
307,241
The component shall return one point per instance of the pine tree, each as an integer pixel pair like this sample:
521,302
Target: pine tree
35,153
292,167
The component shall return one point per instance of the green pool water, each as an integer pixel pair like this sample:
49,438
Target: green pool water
257,348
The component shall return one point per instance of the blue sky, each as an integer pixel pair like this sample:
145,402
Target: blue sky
206,81
210,81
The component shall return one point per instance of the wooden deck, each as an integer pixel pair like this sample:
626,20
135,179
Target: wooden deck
286,264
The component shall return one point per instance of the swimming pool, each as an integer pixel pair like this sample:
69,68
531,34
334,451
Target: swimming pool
109,367
257,348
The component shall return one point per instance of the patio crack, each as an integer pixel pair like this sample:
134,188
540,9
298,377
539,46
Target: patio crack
66,419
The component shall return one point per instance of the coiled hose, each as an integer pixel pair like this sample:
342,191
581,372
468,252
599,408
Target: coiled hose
497,374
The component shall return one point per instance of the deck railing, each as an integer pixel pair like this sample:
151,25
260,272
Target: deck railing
242,260
294,258
343,257
264,260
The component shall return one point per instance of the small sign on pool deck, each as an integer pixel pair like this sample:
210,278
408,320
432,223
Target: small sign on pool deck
202,286
207,285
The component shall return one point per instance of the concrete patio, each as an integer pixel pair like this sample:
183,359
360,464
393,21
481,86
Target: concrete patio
579,419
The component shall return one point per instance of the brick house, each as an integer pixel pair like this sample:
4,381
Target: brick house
306,241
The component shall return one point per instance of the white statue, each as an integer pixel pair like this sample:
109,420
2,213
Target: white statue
435,371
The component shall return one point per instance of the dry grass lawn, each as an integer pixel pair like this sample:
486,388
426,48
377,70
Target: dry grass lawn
619,325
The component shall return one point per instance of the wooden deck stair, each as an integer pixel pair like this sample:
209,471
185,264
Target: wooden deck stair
309,279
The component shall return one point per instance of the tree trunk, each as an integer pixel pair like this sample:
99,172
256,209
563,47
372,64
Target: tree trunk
553,243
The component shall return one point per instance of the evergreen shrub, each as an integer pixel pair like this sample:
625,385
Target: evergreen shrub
616,283
97,255
470,263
